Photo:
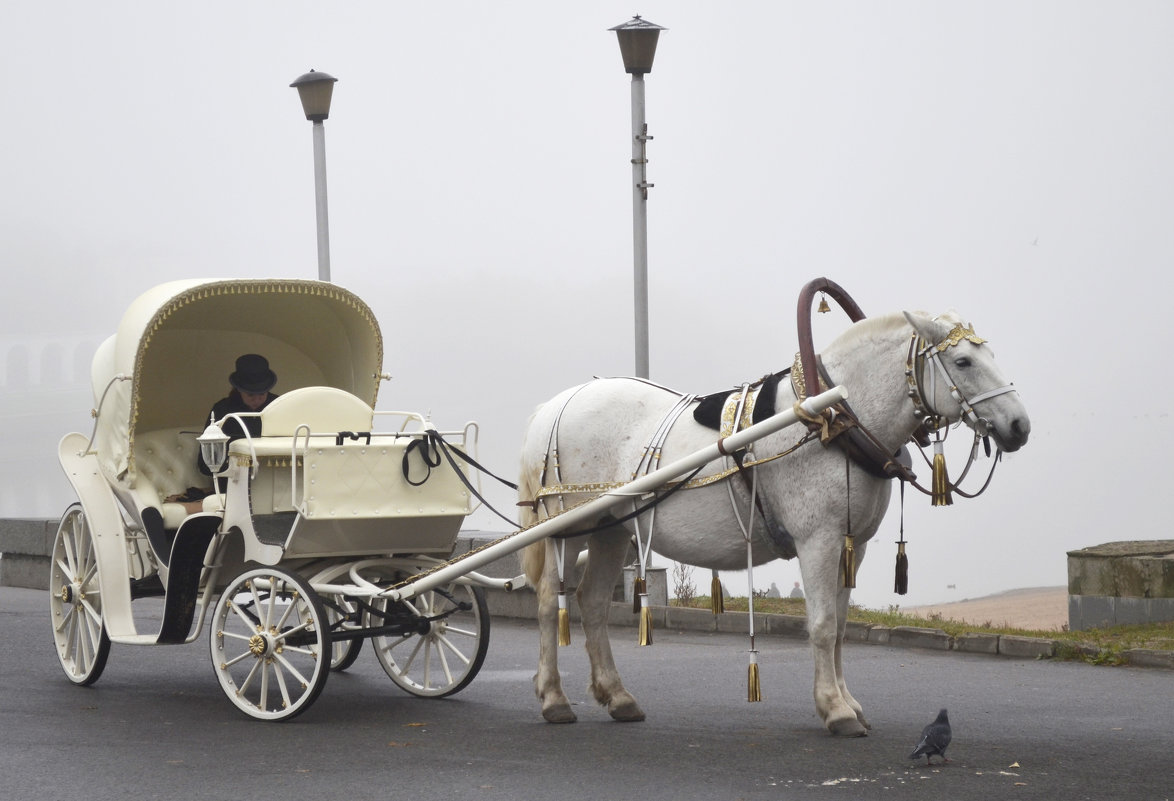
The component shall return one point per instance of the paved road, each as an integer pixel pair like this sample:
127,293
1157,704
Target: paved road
156,726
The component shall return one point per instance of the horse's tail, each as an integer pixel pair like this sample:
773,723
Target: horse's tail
529,483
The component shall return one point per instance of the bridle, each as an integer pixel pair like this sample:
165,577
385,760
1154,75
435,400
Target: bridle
923,354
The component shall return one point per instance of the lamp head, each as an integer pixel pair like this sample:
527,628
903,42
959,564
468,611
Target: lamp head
638,44
315,90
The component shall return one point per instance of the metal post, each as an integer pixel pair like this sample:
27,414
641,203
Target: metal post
320,201
640,187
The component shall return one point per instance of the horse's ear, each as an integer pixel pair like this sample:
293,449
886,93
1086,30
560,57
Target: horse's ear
924,325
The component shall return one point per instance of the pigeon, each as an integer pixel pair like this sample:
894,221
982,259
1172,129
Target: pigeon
934,739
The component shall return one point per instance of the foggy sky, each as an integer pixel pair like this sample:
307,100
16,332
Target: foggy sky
1010,160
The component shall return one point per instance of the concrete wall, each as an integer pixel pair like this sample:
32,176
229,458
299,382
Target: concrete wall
1121,583
26,545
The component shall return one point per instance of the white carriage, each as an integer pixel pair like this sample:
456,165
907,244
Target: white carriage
334,526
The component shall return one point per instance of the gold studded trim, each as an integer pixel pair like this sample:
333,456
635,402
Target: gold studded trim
245,287
730,410
957,334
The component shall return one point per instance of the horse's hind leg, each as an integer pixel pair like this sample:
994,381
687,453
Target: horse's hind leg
556,708
606,556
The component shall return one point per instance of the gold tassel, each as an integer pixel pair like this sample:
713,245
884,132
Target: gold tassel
753,686
901,583
941,482
639,587
848,563
564,621
645,626
717,597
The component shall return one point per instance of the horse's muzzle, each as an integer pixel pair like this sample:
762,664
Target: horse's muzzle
1013,437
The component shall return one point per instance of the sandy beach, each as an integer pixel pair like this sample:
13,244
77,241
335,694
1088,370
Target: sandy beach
1041,608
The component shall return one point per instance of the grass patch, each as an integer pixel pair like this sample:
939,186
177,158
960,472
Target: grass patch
1097,646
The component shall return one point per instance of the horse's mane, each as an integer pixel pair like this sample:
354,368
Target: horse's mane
873,328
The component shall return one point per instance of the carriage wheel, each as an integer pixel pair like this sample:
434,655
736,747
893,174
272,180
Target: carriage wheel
75,600
443,659
269,636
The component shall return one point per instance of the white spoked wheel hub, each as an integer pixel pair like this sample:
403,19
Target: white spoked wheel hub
75,600
270,643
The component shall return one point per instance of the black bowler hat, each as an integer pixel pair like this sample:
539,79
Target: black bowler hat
253,374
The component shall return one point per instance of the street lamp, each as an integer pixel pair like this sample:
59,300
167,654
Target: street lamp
315,90
637,39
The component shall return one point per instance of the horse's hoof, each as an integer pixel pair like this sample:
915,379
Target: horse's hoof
847,727
559,713
626,712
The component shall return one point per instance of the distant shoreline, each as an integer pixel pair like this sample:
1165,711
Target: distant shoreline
1038,608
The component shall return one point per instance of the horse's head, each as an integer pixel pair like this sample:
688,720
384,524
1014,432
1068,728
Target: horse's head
953,375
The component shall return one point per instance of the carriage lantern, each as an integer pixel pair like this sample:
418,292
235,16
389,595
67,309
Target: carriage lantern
213,446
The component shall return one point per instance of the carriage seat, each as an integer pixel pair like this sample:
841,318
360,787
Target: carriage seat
165,464
326,410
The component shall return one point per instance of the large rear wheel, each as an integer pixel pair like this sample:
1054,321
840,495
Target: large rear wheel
270,643
75,600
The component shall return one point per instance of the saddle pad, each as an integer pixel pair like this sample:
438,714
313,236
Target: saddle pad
710,409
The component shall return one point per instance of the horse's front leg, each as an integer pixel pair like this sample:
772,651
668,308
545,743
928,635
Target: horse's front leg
606,556
548,686
819,561
843,602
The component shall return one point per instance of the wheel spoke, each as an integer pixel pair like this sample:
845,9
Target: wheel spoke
419,643
293,670
67,545
277,673
452,648
237,659
252,674
458,630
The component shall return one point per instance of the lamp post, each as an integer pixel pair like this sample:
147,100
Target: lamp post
638,48
315,90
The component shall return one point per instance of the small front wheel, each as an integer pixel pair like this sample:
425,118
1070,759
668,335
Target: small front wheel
448,651
75,600
270,643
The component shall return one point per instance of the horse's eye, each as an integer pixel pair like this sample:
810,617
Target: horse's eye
962,362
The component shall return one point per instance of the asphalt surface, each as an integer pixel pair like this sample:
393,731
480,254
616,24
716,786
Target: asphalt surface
157,726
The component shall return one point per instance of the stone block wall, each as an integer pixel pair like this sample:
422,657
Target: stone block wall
25,546
1121,583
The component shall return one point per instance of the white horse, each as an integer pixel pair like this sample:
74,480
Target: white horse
600,431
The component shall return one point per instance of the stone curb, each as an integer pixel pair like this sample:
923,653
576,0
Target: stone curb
1012,646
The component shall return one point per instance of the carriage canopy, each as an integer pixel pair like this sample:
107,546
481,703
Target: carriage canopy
178,342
